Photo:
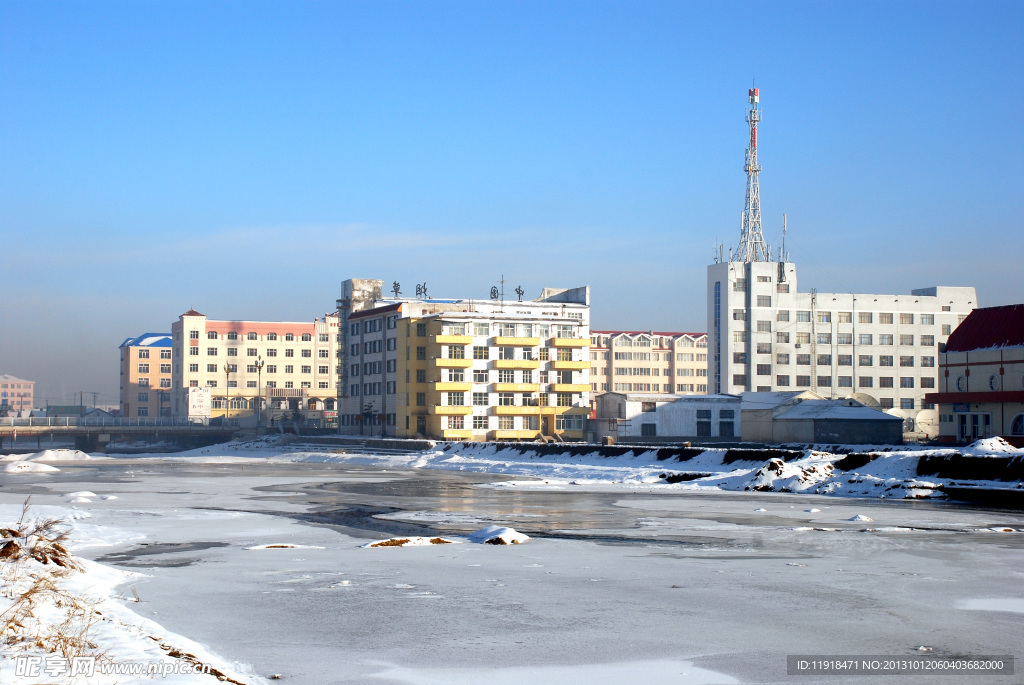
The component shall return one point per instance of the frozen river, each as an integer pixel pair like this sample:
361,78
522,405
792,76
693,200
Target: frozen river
617,584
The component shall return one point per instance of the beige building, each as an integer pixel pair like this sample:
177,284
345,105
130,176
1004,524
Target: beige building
981,377
289,365
146,375
16,394
648,362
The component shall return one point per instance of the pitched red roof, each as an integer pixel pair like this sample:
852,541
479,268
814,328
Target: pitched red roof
191,312
989,327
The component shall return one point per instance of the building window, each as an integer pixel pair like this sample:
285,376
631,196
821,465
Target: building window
479,376
506,376
803,360
885,402
142,411
739,357
866,381
764,300
824,381
211,368
885,360
764,348
824,338
480,352
907,403
803,316
480,423
782,337
506,353
906,340
272,368
564,399
844,381
456,399
906,319
946,329
193,368
844,338
211,351
143,397
456,375
906,361
927,340
212,335
739,379
143,368
506,399
885,317
165,354
845,360
647,407
885,382
764,369
782,315
764,326
803,381
456,422
782,287
193,335
143,354
824,317
927,382
864,339
421,399
165,368
307,369
906,381
480,399
782,381
928,361
782,359
421,353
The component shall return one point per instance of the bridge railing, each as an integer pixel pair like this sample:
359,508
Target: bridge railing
73,421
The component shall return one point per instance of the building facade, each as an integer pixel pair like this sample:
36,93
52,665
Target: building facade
649,362
464,369
640,417
280,366
764,335
16,395
981,377
146,375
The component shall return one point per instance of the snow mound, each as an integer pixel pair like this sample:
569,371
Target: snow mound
989,446
58,455
29,467
88,494
409,542
860,517
498,535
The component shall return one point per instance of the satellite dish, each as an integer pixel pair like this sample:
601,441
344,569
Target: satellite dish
866,399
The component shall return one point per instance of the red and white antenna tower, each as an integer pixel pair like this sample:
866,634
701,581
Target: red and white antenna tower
753,247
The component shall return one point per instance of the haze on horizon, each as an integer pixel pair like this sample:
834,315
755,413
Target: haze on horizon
244,158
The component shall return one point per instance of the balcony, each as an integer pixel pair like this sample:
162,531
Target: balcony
453,339
519,364
510,410
453,387
517,387
450,411
453,363
570,387
570,342
515,435
570,366
509,341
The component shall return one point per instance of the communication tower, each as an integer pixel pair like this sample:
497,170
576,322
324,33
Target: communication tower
752,247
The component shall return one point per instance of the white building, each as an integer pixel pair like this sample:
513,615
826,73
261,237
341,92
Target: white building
637,417
765,335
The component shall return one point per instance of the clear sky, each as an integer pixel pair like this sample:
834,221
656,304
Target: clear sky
243,158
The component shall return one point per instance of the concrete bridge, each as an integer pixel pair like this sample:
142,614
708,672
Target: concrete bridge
93,435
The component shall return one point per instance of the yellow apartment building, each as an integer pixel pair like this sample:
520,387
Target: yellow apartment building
146,371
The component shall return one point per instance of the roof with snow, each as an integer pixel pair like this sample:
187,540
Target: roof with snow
149,340
12,379
846,410
987,328
771,400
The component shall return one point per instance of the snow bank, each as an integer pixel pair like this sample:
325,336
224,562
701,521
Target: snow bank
29,467
498,535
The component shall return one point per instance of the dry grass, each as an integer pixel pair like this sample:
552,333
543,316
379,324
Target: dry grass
393,542
440,541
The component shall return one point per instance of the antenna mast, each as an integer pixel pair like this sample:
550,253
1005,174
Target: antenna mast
752,246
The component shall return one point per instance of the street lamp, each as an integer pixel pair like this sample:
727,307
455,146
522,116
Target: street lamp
227,389
259,391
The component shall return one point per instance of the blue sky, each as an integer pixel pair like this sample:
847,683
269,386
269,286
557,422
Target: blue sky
243,158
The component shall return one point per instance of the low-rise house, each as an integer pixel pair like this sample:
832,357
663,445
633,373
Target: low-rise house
635,417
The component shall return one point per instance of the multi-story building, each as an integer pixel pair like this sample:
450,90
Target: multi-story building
648,362
16,395
765,335
146,375
283,366
463,369
981,377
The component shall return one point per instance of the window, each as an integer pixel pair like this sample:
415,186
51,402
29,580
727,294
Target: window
764,300
142,411
845,317
885,339
212,335
946,329
844,338
739,357
143,354
927,341
271,336
323,354
421,353
506,376
824,338
421,399
307,369
764,326
456,399
764,348
906,361
309,353
542,355
165,382
927,319
885,360
165,354
739,336
289,352
865,360
528,376
927,382
143,368
906,340
506,353
824,317
845,360
739,285
907,403
863,317
885,402
906,381
289,337
480,399
193,368
479,375
803,360
782,315
456,422
884,317
211,351
506,399
844,381
906,319
480,352
803,338
289,368
193,335
864,339
232,351
272,368
739,379
803,316
143,397
764,369
306,337
824,360
824,381
564,354
927,362
782,337
272,352
885,382
211,368
480,423
782,287
782,359
782,381
803,381
865,381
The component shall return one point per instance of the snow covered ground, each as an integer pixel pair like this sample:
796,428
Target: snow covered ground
255,561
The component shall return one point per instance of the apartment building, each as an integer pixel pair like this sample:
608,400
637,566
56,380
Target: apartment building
277,365
146,373
765,335
16,395
648,362
464,369
981,377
